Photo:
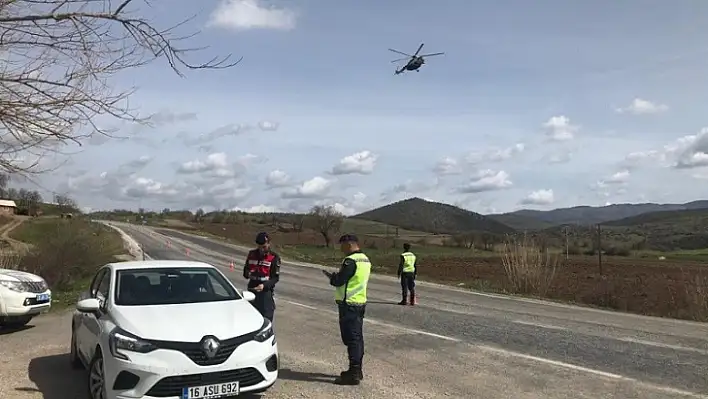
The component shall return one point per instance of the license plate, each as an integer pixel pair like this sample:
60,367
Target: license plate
211,391
42,297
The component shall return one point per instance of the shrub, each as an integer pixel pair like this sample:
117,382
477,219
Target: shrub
65,251
529,269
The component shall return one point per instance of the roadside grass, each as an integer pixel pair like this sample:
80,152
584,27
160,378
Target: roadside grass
66,253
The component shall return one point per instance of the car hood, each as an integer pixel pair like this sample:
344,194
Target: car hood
16,275
189,322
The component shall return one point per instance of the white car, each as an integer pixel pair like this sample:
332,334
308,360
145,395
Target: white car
22,296
171,329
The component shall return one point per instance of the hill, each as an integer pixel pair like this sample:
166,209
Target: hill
672,218
421,215
587,215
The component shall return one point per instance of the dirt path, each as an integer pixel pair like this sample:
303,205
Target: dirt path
18,247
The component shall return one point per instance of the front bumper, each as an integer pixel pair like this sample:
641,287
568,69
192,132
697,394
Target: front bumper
162,374
13,303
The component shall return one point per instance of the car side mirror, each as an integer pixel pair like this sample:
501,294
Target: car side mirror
89,305
248,295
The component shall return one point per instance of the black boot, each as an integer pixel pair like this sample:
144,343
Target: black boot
353,376
403,301
413,299
361,373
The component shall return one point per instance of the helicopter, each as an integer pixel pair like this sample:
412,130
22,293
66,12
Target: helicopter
414,61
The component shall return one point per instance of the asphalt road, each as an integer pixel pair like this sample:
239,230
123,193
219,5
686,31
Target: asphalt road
522,347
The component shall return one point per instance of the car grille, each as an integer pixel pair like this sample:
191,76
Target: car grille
172,386
194,351
35,287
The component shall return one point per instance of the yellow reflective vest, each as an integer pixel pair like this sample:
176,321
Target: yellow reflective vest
354,291
408,262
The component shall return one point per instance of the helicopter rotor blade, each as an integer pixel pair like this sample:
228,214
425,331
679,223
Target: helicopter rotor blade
400,59
419,48
431,55
400,52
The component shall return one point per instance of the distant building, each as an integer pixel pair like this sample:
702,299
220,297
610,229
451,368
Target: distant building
8,207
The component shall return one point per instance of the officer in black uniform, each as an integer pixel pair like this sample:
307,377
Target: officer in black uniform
262,269
350,284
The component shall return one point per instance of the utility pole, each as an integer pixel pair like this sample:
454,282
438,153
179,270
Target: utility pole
599,248
566,242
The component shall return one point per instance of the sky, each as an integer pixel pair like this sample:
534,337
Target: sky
535,104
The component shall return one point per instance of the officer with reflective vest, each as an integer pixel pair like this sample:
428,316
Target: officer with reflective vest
407,271
262,269
350,295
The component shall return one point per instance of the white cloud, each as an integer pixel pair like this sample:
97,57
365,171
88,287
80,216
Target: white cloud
643,107
362,162
487,180
239,15
447,166
268,126
498,155
559,128
316,187
618,178
213,161
277,178
495,154
540,197
257,209
559,157
687,152
691,151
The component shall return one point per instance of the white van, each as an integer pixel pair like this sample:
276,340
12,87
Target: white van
22,296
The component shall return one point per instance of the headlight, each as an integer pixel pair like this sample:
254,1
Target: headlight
265,332
121,340
16,286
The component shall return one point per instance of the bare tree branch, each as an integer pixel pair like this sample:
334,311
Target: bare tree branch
56,60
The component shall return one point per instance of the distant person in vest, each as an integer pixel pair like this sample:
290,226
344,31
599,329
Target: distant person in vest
350,295
407,271
262,270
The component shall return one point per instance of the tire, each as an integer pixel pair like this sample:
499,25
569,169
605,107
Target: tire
15,322
96,382
74,358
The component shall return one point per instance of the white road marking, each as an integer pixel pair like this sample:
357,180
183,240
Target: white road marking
556,363
613,376
300,304
546,326
663,345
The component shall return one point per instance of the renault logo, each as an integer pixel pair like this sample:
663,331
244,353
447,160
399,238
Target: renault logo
210,346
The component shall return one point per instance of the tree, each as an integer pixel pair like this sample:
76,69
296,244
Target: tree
199,215
4,181
298,222
58,57
66,204
327,221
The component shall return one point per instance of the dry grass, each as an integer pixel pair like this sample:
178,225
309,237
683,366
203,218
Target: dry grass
529,269
9,259
695,296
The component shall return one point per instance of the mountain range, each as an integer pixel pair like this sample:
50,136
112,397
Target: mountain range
421,215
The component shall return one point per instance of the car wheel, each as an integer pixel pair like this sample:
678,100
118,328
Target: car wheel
74,354
96,377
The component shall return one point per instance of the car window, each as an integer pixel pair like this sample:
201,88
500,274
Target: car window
96,282
163,286
104,286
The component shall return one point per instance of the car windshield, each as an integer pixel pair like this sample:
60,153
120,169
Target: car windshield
164,286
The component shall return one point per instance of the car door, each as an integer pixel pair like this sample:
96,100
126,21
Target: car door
90,324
